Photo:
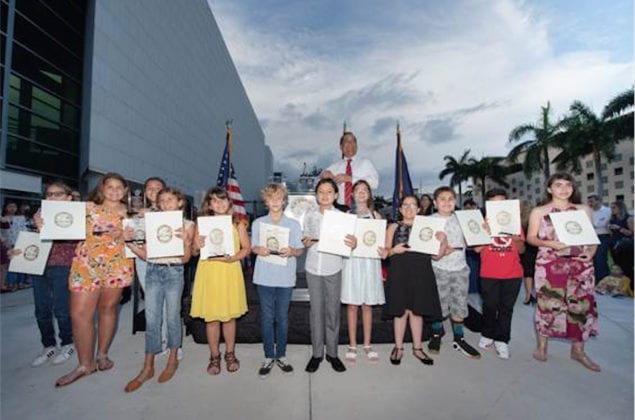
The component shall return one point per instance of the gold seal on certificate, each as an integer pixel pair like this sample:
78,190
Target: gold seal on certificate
63,219
504,218
164,234
573,227
473,226
272,244
425,234
369,238
31,252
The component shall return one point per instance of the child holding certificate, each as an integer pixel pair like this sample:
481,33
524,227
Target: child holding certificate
275,282
564,275
219,295
99,272
501,274
50,291
163,287
362,283
323,276
453,276
411,292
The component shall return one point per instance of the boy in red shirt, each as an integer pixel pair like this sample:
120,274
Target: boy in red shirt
501,277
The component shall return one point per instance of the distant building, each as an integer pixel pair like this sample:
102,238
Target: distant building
617,179
139,88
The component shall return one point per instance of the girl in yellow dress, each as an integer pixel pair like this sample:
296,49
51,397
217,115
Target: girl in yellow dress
219,295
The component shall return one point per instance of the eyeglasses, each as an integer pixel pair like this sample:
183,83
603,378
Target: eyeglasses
56,194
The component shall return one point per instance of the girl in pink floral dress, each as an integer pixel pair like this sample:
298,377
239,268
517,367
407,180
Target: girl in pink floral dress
564,276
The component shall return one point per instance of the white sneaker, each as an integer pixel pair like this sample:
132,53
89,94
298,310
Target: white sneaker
47,354
485,343
179,353
502,349
65,353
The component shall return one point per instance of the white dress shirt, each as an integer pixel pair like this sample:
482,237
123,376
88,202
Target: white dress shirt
601,220
361,168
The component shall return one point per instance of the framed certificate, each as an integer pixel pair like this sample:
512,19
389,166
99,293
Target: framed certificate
503,217
335,226
574,228
298,206
274,238
423,234
219,236
63,220
35,253
161,239
471,222
370,234
139,226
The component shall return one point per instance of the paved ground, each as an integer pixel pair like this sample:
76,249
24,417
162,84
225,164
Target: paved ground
454,388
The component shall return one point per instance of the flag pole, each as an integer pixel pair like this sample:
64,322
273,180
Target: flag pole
344,127
228,137
400,162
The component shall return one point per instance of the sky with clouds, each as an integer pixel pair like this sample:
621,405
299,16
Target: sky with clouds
456,75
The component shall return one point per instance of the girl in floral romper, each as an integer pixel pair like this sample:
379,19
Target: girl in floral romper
99,272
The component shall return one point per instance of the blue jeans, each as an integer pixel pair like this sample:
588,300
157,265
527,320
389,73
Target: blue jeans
601,258
50,294
164,285
274,309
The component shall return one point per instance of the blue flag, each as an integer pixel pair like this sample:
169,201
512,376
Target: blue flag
403,185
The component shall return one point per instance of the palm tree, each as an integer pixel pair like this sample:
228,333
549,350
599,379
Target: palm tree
490,167
537,149
588,133
458,170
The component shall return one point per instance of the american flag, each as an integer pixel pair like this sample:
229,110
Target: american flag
227,179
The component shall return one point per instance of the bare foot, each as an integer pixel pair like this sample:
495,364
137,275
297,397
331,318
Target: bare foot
581,357
104,363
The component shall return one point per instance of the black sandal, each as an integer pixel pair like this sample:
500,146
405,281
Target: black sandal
426,360
395,355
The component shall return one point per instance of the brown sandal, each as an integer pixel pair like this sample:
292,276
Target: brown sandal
233,364
138,381
213,368
78,373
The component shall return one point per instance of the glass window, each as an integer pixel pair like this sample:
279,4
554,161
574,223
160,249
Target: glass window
23,123
619,185
632,174
605,193
603,166
605,179
589,176
618,157
35,40
619,197
618,171
588,163
536,180
29,66
537,190
590,188
4,12
631,160
25,154
54,23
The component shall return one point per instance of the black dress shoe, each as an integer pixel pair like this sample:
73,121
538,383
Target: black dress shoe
336,363
313,365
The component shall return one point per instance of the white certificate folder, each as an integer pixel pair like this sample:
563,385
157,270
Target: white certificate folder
63,220
219,236
471,222
574,228
274,238
370,234
335,226
503,217
161,235
35,253
423,235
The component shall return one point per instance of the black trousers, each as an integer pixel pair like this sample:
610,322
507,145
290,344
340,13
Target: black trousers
499,297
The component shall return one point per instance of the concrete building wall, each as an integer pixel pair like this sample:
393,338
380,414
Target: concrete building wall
161,89
617,179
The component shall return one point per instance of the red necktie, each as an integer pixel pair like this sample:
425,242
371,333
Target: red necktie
348,186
